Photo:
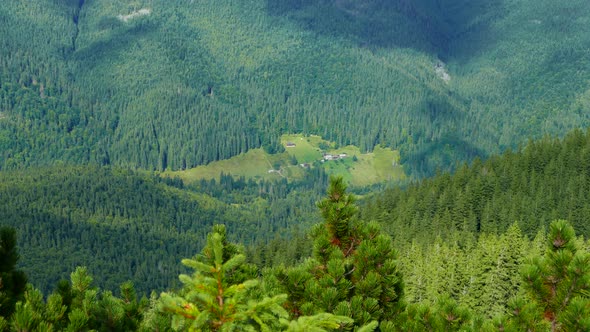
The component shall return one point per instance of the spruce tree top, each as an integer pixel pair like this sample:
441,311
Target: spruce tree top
338,210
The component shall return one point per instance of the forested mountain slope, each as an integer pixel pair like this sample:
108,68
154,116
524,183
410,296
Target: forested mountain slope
353,280
90,89
171,85
125,225
549,179
138,226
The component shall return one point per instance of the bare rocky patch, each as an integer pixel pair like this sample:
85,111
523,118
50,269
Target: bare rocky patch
135,14
441,72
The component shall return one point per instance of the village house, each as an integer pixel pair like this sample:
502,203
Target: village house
328,156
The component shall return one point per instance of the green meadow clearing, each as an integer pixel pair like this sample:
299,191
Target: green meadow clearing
302,152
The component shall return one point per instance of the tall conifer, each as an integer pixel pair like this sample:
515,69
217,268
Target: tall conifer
218,296
353,271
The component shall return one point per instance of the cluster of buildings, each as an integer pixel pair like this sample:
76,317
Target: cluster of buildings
328,156
325,156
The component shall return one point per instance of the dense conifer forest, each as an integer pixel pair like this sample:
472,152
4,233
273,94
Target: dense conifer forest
485,101
547,180
354,280
156,84
138,225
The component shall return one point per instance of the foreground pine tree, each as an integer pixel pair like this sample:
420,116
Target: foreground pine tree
353,271
443,315
78,306
219,297
557,286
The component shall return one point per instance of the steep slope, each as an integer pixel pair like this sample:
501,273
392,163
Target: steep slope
519,65
184,84
171,85
546,181
124,225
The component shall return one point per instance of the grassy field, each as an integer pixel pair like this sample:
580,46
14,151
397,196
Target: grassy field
306,149
357,169
253,164
381,165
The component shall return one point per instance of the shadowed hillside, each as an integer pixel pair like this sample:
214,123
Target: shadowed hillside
173,85
429,26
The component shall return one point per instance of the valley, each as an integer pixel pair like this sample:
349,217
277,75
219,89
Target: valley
302,153
294,165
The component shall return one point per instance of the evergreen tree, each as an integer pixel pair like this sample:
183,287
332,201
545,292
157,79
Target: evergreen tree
82,308
353,271
495,278
216,298
443,315
12,281
213,303
558,283
338,209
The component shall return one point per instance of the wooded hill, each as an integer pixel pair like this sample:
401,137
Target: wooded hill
170,85
69,216
94,95
128,225
352,281
546,180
